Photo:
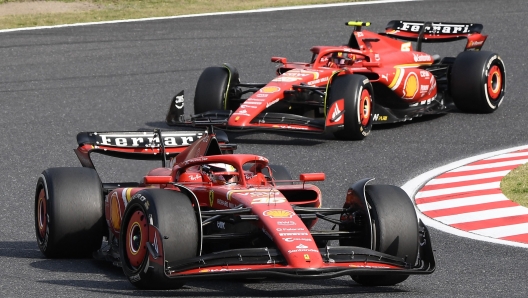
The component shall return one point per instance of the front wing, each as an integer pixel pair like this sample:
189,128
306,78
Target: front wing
264,262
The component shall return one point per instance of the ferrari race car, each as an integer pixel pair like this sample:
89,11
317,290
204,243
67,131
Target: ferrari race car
208,213
375,78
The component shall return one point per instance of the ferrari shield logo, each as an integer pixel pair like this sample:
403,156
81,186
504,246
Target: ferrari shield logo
211,197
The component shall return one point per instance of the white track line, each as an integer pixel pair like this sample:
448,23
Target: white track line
214,14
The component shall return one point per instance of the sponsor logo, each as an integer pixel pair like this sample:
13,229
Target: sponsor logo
156,247
211,197
406,47
140,140
286,79
475,43
245,106
336,113
410,87
220,225
296,239
491,61
262,95
321,80
268,200
378,117
422,57
249,102
278,213
269,104
270,89
436,28
193,160
289,229
242,112
307,257
292,234
302,248
178,102
377,57
286,223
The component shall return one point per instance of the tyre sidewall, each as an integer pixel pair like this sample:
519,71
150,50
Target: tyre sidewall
468,81
157,204
211,90
350,88
74,212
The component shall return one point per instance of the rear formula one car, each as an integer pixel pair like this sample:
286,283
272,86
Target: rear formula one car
375,78
210,213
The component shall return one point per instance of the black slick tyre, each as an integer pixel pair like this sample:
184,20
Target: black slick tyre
172,214
395,230
477,82
211,91
357,93
69,212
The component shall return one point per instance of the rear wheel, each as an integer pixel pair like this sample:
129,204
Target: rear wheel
395,230
69,212
172,216
212,89
477,82
353,95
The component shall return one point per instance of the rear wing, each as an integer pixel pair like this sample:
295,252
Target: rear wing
140,145
431,32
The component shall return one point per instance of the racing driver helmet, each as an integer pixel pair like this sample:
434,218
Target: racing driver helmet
221,173
341,59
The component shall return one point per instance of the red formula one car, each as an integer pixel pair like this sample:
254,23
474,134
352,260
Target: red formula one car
212,214
374,79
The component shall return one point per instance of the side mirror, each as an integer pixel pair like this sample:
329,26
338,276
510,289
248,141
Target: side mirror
312,177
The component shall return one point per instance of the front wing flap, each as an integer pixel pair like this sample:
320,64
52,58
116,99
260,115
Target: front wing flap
268,262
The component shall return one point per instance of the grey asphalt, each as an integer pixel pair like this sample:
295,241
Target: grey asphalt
57,82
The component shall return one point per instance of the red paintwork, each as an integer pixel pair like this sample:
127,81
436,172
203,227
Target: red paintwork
252,190
387,60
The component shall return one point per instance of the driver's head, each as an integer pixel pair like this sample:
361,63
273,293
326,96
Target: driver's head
221,173
342,59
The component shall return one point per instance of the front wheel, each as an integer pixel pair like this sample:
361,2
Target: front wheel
212,89
349,107
395,230
166,221
477,82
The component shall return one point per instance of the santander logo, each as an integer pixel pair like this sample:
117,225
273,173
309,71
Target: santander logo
335,113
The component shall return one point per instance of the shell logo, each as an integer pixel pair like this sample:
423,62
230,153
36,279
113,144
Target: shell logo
115,212
411,85
270,89
278,213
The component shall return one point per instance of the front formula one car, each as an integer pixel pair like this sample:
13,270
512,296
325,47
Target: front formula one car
213,214
374,79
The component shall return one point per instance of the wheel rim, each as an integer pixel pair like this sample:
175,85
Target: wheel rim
136,238
494,82
42,214
365,108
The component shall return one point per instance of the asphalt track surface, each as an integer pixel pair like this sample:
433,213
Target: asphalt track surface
57,82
